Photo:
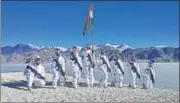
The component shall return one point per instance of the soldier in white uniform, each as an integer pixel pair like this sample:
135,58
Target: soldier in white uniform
104,65
58,69
134,72
118,69
35,74
76,64
88,65
149,76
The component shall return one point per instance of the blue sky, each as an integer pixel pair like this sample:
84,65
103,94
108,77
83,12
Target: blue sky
138,23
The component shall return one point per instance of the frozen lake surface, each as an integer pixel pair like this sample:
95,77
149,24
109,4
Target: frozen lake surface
167,74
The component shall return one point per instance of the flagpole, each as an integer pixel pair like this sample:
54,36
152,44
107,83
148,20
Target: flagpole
93,30
92,34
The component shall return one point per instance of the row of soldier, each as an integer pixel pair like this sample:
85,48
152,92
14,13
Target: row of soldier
35,71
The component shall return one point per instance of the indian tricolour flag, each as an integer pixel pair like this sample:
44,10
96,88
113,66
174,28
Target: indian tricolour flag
89,19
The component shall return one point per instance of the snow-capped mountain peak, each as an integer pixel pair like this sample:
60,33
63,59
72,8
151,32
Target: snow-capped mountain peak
21,45
32,46
18,49
160,46
42,47
61,48
125,46
108,44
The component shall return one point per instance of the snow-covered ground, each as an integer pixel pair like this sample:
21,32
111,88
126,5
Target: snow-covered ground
13,89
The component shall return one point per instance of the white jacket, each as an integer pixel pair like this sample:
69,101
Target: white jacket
115,67
136,65
73,62
61,62
147,71
86,61
39,68
100,62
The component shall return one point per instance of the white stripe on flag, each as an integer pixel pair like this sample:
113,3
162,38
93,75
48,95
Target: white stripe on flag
91,14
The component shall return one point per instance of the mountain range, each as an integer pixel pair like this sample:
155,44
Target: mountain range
22,53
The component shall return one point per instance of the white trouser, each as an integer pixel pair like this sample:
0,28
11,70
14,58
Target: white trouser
147,81
118,78
132,81
89,75
76,75
104,78
57,78
31,79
